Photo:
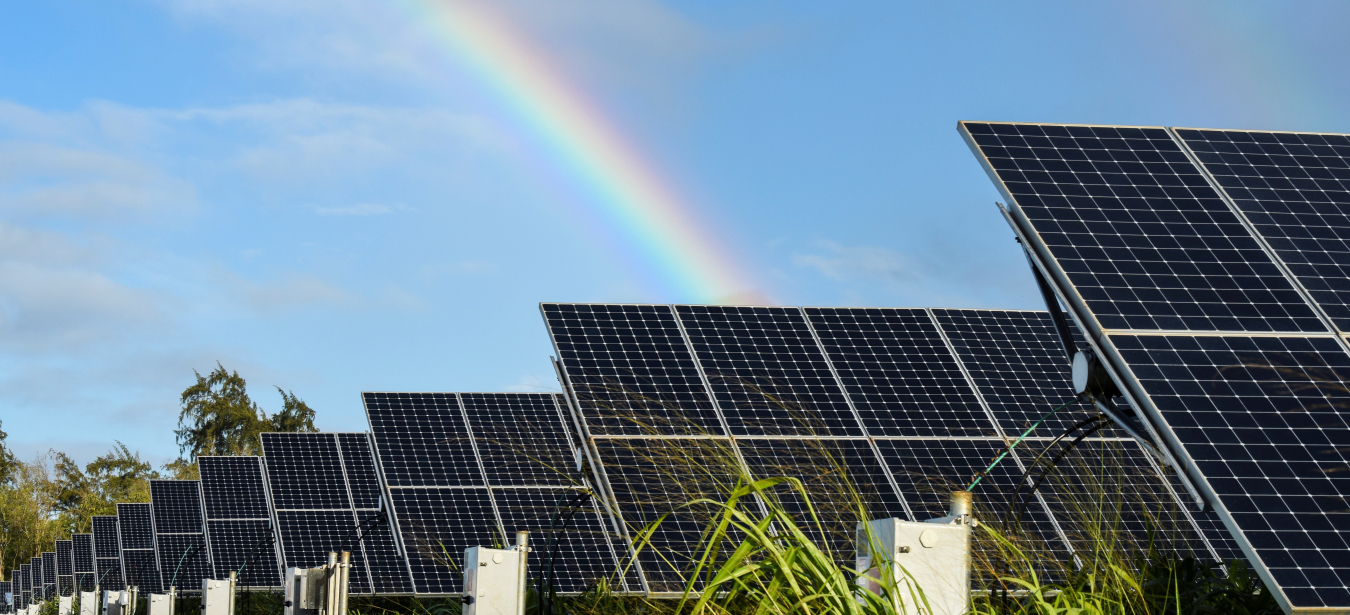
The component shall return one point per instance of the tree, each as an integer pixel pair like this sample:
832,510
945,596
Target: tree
119,476
218,418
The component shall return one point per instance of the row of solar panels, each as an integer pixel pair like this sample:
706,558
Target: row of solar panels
664,403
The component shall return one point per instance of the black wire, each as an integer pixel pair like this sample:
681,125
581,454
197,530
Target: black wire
551,548
1023,505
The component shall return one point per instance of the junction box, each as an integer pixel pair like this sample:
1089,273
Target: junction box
494,579
922,568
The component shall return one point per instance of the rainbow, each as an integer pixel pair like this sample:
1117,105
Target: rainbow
626,192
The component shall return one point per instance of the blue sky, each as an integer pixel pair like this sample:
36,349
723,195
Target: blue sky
305,191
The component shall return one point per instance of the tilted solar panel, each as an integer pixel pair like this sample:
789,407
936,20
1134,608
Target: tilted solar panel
25,592
494,463
107,553
136,537
82,561
322,494
1207,268
65,569
239,521
181,543
884,393
49,581
6,588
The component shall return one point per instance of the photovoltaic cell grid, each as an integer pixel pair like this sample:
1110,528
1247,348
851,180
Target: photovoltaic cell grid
181,543
1254,418
1295,190
49,581
239,521
136,537
5,591
494,463
65,569
107,553
82,561
323,487
884,389
25,592
35,565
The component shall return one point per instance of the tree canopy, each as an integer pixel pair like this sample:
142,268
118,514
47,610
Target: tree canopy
219,418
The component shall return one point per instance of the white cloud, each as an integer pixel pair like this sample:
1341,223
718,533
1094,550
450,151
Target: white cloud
40,180
292,291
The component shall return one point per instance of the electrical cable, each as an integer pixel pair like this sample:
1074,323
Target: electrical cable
1008,449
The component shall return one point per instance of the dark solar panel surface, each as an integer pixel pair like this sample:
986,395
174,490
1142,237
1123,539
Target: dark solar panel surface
1264,420
507,449
49,584
65,568
238,521
1141,234
107,552
437,525
180,534
136,535
630,369
521,439
141,570
1295,189
1018,365
323,487
35,565
898,372
652,477
767,373
64,565
946,381
423,440
82,561
836,475
25,584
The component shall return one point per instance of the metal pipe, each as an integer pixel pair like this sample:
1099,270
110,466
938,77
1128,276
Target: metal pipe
342,583
522,547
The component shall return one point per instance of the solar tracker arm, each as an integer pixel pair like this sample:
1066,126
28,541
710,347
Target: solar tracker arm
1052,304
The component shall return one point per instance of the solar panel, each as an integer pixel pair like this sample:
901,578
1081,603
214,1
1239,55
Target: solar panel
1293,189
136,536
82,561
107,553
6,587
239,521
895,393
323,487
25,585
494,463
65,569
181,543
35,576
1237,375
49,581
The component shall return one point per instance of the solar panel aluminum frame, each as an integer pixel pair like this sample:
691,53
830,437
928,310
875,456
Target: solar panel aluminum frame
1166,440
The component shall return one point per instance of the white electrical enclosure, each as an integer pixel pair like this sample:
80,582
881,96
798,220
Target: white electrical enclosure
63,605
112,603
88,603
494,579
922,568
217,597
299,597
161,604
